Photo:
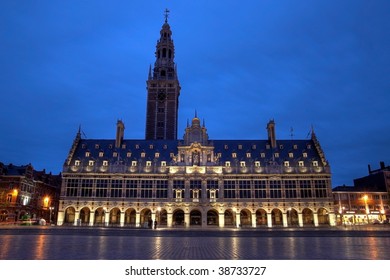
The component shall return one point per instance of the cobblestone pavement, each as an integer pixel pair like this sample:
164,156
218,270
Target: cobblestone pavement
61,243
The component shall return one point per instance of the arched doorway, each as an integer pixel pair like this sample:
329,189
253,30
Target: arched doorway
292,217
84,216
195,218
69,216
323,216
229,219
115,217
212,218
162,217
307,217
99,217
146,218
130,218
245,218
178,218
261,218
277,217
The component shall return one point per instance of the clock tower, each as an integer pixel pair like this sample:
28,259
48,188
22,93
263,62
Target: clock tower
163,90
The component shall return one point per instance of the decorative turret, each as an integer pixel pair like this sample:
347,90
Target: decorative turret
318,147
74,146
196,133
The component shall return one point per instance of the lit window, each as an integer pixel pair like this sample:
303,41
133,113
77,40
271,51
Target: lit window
295,147
90,163
87,154
290,155
151,147
157,155
101,154
115,154
105,163
148,163
262,155
226,147
123,146
227,163
281,147
219,155
242,163
257,163
304,155
234,155
143,155
301,163
286,163
77,163
163,163
133,163
276,155
172,155
128,154
137,146
248,155
315,163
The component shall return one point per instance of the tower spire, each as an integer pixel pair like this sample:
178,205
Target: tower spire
166,15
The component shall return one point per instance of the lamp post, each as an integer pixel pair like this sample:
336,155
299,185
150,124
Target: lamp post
365,197
51,209
342,215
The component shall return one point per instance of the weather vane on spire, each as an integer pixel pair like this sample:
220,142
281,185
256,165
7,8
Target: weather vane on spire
166,14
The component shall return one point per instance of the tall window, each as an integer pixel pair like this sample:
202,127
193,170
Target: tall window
305,186
212,189
86,188
229,189
101,188
290,187
275,189
321,189
244,187
131,188
178,188
146,188
161,189
71,187
116,188
260,188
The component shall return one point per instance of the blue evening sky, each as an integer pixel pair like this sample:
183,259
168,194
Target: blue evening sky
320,63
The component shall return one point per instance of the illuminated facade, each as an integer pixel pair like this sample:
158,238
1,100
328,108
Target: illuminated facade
193,181
27,194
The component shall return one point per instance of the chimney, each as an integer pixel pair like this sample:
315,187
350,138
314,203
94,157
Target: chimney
271,133
382,164
120,132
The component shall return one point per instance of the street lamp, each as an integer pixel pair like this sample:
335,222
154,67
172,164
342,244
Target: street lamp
51,209
365,197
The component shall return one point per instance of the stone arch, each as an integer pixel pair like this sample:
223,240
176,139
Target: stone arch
146,218
115,216
85,214
70,215
292,217
130,217
277,217
245,218
178,217
230,220
307,217
196,218
261,217
323,216
212,217
99,217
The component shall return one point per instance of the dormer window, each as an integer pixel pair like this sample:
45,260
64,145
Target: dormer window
165,147
157,155
242,163
96,146
171,155
101,154
226,147
301,163
315,163
151,146
253,147
227,163
137,146
276,155
128,154
248,155
148,163
91,163
123,146
295,147
267,146
219,155
240,147
114,154
281,147
83,146
290,155
257,163
163,163
308,146
133,163
110,146
234,155
105,163
143,154
304,155
87,154
286,163
77,163
262,155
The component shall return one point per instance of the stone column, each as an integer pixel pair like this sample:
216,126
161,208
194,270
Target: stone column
269,219
137,219
91,218
332,219
106,218
187,219
60,218
285,220
315,218
122,219
254,220
300,219
76,217
169,219
238,219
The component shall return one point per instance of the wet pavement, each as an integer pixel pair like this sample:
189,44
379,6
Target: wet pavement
90,243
